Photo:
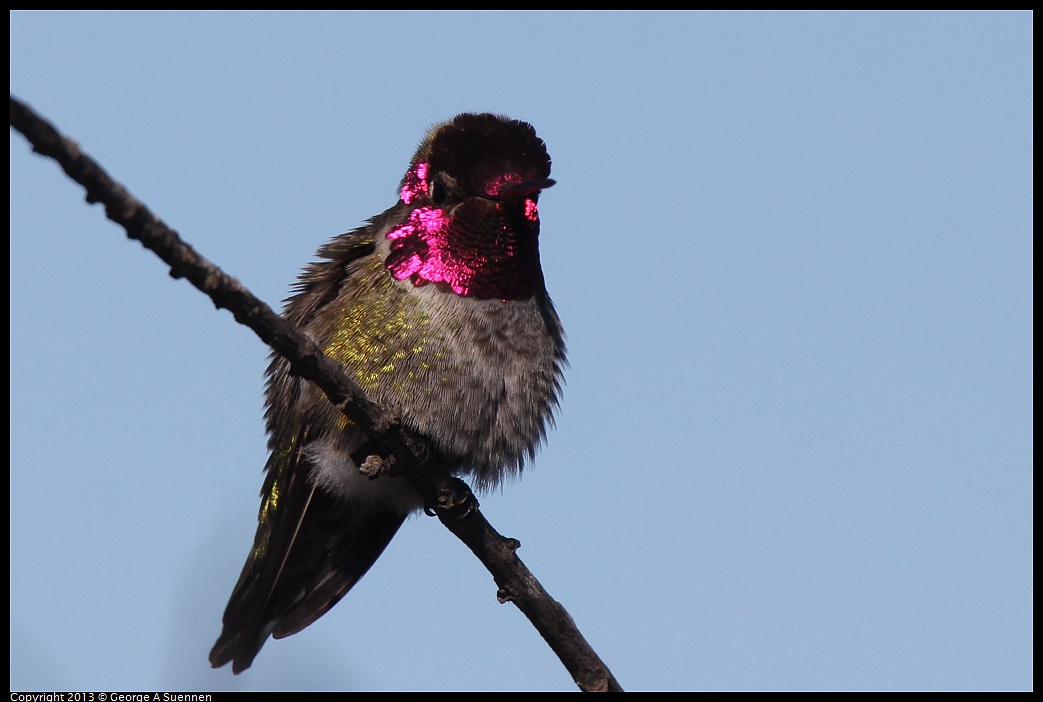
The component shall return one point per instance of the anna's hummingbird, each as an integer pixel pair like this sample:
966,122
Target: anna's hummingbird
438,309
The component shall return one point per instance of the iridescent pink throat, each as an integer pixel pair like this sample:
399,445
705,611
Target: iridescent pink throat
476,250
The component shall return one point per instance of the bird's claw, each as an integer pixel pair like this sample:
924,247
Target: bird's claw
454,500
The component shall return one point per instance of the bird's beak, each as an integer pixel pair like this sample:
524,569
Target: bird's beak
518,191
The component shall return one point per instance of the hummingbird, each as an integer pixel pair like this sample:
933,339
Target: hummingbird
438,309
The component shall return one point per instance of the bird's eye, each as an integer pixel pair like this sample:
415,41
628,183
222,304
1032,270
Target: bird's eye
438,192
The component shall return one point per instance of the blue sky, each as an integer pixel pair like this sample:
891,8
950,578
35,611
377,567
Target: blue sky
793,256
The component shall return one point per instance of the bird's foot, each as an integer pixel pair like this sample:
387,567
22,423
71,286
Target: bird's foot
376,466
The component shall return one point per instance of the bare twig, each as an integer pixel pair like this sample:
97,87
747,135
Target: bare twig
448,497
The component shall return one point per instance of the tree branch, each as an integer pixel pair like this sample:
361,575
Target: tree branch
413,456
